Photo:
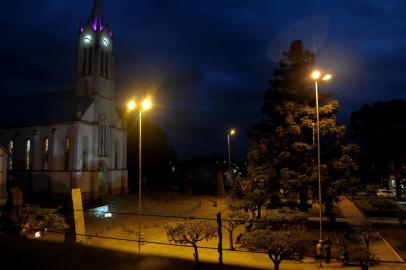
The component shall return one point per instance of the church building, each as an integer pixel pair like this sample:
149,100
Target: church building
74,139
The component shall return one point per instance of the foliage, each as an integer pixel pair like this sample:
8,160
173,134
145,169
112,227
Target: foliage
278,244
249,195
381,129
158,156
381,203
234,219
49,218
282,152
191,231
284,219
365,206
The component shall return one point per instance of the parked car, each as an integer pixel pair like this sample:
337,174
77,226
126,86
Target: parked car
385,193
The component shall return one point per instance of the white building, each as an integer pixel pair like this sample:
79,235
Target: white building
74,139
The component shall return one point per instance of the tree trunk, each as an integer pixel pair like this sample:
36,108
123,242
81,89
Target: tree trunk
259,216
276,265
276,261
231,239
196,253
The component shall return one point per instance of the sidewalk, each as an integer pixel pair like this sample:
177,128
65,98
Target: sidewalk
382,248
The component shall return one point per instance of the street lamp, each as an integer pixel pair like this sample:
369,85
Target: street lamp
317,76
145,105
230,133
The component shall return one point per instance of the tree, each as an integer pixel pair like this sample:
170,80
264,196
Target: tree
278,244
248,194
235,218
282,152
191,232
158,156
381,128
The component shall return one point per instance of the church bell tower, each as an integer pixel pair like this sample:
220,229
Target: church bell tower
95,65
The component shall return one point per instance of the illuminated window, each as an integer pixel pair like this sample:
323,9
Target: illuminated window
85,149
102,137
28,154
10,151
67,153
46,153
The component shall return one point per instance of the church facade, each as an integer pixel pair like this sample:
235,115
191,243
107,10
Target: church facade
73,139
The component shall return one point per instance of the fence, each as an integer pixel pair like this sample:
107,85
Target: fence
153,234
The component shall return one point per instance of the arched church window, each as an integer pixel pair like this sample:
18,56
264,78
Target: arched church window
102,136
28,154
116,152
89,71
11,153
46,153
67,153
102,63
107,65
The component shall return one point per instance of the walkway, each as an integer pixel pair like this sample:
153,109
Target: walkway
381,248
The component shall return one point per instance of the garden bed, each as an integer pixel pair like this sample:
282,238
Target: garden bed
376,207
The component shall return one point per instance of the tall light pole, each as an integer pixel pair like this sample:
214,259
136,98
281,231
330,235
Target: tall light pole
230,133
145,105
316,76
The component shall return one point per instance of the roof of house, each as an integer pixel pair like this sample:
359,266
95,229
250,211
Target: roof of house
42,109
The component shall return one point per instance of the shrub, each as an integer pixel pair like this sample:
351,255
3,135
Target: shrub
191,231
382,204
279,245
283,219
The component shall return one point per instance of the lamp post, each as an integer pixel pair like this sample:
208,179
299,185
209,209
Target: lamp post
145,105
230,133
316,76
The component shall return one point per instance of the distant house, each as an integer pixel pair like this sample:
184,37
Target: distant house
73,139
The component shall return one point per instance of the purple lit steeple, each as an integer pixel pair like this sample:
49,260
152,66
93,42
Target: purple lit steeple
97,19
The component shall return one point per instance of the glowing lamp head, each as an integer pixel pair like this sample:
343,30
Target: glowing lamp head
316,75
146,104
131,105
232,131
327,77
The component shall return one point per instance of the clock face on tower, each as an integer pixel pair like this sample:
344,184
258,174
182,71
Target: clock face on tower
87,39
105,42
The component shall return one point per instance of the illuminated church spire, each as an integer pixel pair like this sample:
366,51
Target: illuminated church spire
95,68
97,18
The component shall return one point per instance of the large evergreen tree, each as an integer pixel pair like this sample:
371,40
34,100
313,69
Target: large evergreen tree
282,152
381,129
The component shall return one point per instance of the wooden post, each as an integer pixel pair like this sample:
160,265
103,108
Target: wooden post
220,234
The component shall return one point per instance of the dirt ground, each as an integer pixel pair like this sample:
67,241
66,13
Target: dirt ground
126,227
396,237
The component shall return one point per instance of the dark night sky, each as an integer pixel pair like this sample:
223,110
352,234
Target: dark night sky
208,62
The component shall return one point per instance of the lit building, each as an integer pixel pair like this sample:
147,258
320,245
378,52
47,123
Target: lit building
74,139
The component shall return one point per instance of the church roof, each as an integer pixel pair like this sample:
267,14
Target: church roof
42,109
